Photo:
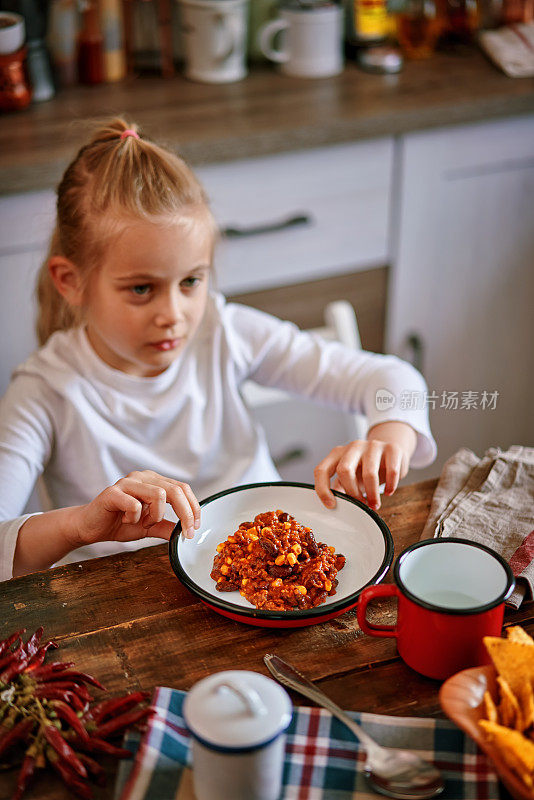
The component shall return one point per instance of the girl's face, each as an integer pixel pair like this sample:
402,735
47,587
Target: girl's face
145,301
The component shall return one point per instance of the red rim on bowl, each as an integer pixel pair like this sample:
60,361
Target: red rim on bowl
352,525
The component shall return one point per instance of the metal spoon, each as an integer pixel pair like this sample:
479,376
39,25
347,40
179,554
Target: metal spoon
395,773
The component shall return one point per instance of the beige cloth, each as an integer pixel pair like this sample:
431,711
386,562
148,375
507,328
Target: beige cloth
490,500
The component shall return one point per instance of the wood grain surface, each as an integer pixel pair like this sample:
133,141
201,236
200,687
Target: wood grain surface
265,113
130,622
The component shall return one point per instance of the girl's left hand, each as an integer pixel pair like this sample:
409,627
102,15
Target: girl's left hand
361,466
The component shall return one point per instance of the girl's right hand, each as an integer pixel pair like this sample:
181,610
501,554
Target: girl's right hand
133,509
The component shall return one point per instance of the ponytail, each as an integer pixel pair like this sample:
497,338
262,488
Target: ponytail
116,178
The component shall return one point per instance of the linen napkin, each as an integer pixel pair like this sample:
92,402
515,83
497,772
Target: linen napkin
490,500
323,759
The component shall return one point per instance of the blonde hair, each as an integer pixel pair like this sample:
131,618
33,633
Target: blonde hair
112,180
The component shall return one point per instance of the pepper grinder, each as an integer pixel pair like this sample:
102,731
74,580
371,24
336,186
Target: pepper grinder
37,60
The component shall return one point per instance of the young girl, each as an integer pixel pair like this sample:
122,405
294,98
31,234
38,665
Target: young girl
132,404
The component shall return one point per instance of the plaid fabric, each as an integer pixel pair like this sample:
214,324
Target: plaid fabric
323,759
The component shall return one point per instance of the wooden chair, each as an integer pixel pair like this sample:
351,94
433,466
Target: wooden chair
301,433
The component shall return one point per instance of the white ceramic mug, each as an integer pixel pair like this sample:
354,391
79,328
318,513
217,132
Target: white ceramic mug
12,32
312,41
214,39
238,720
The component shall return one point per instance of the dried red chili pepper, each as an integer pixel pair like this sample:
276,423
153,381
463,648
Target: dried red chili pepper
19,732
38,658
104,709
66,713
5,644
73,781
94,769
12,655
26,772
77,677
77,688
118,724
32,645
56,740
51,669
15,668
95,745
51,693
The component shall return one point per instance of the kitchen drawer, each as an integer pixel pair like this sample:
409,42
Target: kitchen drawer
343,190
26,221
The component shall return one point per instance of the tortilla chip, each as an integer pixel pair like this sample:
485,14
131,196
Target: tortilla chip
514,661
517,634
509,711
490,708
526,704
516,749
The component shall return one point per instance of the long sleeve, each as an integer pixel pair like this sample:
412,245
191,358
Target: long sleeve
25,445
275,353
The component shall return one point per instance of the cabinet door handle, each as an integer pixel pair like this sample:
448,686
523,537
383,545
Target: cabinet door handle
415,344
295,453
269,227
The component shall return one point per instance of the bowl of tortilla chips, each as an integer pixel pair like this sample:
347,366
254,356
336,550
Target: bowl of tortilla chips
494,704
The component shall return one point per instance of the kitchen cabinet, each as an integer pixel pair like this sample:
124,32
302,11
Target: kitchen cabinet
26,221
462,280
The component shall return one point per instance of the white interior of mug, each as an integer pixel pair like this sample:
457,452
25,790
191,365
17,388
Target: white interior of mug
453,575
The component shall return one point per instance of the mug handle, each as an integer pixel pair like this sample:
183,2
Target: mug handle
267,34
381,590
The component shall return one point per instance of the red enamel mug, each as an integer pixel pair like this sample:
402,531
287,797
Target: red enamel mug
451,593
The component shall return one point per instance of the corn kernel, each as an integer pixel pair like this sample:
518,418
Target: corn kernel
291,559
332,550
266,530
300,590
228,560
253,537
249,547
241,592
327,585
287,525
244,582
224,569
220,548
277,582
219,580
297,549
279,560
231,539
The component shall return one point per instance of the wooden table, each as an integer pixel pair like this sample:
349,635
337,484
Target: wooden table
127,620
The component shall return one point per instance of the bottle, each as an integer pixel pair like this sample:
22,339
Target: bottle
111,23
38,63
461,19
90,46
419,26
368,26
61,37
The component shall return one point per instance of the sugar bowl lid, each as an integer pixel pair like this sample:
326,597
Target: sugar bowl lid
237,710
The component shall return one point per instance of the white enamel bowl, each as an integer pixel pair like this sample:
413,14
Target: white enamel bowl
353,529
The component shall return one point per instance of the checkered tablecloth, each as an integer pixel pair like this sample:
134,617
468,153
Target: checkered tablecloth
323,759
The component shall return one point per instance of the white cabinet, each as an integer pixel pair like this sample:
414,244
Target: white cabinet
26,222
463,279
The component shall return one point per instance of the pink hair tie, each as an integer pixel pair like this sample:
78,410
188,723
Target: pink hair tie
129,132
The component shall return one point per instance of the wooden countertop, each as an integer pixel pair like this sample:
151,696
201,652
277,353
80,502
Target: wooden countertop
263,114
127,620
